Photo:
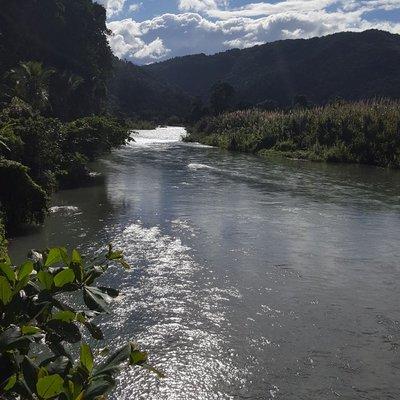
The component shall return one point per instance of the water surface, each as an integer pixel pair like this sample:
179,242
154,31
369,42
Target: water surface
252,279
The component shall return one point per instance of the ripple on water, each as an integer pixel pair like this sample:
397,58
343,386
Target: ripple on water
181,324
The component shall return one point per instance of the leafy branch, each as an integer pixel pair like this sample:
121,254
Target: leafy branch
38,328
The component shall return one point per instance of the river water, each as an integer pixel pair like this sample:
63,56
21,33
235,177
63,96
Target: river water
252,279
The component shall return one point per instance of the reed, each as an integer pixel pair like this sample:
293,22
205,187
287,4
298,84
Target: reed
366,132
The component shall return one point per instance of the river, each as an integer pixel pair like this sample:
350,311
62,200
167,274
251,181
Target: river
252,278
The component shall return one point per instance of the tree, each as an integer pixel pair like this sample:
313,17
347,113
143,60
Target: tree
221,97
31,84
197,110
67,84
67,36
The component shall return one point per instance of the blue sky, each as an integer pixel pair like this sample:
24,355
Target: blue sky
146,31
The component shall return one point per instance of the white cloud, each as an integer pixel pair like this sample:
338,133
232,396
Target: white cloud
113,7
127,41
135,7
153,51
213,30
200,5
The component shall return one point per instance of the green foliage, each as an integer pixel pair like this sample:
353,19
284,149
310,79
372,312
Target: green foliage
40,329
363,132
21,200
30,82
39,154
38,146
93,136
81,69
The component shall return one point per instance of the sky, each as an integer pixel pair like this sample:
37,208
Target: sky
147,31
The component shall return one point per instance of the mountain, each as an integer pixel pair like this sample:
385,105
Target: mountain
348,65
136,93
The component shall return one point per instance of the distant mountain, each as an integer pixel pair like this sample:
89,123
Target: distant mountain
134,92
348,65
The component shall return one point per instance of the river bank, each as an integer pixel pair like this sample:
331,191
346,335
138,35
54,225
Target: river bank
359,133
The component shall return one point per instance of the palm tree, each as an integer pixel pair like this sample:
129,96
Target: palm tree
31,84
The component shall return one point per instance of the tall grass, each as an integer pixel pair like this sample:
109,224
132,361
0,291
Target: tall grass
365,132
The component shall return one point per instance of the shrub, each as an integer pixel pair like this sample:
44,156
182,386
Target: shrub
363,132
94,136
21,199
39,327
38,147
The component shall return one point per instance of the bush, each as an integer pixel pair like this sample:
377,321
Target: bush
44,153
38,147
74,171
39,327
21,200
94,136
363,132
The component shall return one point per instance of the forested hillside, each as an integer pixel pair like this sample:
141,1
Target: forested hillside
68,37
136,93
348,65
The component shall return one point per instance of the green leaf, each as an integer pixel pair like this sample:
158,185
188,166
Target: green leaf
110,291
57,365
86,357
42,372
99,386
76,257
5,290
112,364
124,263
64,277
50,386
46,279
81,396
67,331
94,330
137,357
153,370
95,299
30,371
12,380
21,284
30,330
53,257
12,338
7,271
66,316
25,270
64,255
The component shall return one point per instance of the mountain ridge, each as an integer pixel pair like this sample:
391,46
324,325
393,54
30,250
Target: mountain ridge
351,65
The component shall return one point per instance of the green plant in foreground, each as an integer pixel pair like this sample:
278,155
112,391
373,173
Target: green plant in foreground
40,330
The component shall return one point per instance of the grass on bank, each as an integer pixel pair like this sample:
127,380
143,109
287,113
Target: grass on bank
362,132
